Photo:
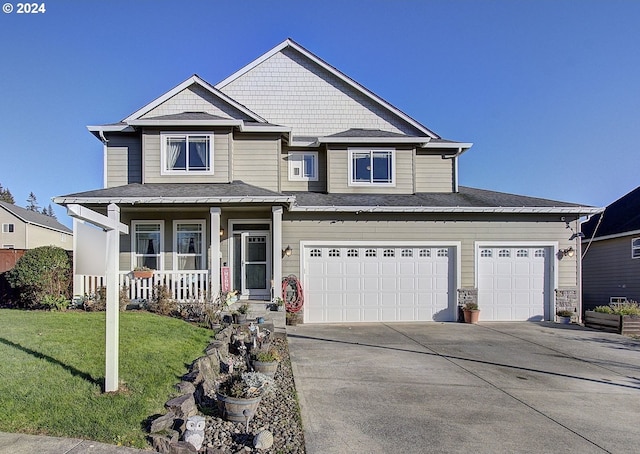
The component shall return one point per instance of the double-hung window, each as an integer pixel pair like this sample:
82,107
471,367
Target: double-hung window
303,166
635,248
8,228
186,153
188,245
146,244
371,167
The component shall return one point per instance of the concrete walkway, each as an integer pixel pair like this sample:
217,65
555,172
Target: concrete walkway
449,387
36,444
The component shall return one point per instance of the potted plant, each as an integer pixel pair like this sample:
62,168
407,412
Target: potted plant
471,312
239,396
266,360
278,304
142,272
240,315
564,316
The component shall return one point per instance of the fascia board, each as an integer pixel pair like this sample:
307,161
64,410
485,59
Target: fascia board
369,140
335,72
264,128
612,236
151,122
456,145
170,200
110,128
422,209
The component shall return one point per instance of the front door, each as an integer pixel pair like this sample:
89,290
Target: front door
252,269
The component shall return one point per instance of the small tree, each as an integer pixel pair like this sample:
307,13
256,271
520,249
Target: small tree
42,277
49,212
32,203
6,196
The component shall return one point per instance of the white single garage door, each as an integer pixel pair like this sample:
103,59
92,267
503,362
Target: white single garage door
378,283
514,283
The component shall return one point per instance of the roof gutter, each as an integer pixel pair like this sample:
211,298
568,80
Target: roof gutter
579,210
172,200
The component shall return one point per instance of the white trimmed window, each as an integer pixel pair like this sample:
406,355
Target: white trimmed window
186,153
8,228
374,167
635,248
188,245
303,166
146,244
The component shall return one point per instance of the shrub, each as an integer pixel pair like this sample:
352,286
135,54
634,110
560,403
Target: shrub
564,313
161,302
41,272
627,308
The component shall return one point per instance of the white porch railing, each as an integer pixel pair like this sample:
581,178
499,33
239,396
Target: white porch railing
182,285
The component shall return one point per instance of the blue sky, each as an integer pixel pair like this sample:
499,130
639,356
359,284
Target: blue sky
547,90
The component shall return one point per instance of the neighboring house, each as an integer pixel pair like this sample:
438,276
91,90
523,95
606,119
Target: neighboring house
25,229
288,166
611,253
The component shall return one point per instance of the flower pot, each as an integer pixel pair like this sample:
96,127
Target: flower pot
564,320
143,274
239,319
471,316
267,368
233,408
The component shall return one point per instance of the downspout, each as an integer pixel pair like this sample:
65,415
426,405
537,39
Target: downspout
104,158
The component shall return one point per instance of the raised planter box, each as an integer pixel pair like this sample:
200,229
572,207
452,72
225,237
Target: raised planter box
627,325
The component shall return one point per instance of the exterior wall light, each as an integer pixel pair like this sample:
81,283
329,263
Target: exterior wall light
288,251
568,252
221,232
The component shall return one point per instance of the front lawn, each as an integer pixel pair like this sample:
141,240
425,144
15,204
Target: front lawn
52,372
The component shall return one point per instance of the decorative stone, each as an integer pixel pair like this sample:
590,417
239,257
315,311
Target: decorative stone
183,406
263,440
181,447
185,387
161,442
195,431
162,423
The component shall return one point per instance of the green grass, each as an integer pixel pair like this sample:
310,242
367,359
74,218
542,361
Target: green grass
52,367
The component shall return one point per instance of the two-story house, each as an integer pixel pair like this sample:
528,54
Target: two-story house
26,229
289,167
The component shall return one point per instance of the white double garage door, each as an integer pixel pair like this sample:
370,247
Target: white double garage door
418,282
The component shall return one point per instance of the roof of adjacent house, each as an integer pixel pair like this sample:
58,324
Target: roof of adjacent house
466,200
620,217
31,217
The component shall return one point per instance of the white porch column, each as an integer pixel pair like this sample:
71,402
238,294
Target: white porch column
215,251
78,287
276,213
113,306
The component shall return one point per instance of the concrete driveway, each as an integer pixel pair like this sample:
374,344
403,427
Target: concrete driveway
449,387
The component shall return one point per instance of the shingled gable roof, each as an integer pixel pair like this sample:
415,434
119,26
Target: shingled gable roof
197,80
621,217
31,217
289,43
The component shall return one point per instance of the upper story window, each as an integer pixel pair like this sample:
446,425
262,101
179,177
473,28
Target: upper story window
186,153
635,248
8,228
303,166
371,167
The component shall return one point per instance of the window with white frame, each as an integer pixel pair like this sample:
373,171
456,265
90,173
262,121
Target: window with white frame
303,166
188,245
186,153
635,248
371,167
8,228
146,244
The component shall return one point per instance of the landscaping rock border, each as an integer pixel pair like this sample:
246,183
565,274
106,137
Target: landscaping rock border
278,411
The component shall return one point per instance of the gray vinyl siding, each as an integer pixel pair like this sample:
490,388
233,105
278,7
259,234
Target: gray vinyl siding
256,160
338,173
124,160
426,228
608,270
314,186
152,159
433,174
